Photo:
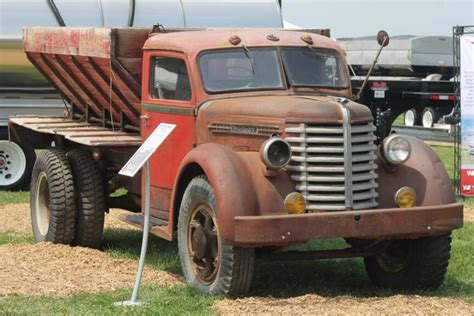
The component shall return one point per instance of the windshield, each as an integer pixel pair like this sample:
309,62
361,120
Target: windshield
241,69
310,67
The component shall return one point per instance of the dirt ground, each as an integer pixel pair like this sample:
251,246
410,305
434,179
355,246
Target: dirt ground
344,305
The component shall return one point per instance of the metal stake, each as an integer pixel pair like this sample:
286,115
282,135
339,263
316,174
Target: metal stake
146,228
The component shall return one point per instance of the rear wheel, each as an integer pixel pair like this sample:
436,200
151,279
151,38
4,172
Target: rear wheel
52,198
90,199
16,164
429,117
210,264
411,118
411,264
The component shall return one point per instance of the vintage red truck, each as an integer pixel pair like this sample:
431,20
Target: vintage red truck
269,151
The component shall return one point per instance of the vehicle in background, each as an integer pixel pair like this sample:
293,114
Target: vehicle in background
413,76
24,90
268,151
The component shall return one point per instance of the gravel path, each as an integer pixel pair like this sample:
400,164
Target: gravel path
344,305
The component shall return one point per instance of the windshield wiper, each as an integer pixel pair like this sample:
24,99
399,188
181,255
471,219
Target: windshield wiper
250,57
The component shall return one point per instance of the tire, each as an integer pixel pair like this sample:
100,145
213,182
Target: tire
233,271
411,264
429,117
411,118
16,165
52,198
90,199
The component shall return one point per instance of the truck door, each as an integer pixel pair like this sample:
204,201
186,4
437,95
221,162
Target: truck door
167,97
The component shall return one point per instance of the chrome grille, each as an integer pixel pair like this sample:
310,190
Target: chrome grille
334,165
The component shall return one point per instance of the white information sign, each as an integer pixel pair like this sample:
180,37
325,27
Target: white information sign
147,149
467,114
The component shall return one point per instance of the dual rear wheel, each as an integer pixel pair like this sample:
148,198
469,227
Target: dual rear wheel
67,199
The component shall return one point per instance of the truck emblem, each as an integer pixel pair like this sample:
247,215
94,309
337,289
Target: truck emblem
261,130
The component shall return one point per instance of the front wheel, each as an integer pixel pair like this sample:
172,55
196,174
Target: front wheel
16,163
209,263
411,264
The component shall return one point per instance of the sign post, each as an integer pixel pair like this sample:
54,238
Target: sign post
141,159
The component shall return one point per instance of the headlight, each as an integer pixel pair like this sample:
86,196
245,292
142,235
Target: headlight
275,153
396,149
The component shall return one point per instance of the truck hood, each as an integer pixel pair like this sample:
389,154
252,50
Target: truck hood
241,115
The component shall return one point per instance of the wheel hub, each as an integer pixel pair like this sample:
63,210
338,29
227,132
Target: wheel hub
203,244
12,163
199,242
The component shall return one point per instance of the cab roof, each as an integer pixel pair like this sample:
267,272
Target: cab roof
193,42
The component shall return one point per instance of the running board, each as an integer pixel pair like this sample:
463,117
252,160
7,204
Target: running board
158,227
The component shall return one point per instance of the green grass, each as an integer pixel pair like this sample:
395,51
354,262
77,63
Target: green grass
14,238
159,301
7,197
399,120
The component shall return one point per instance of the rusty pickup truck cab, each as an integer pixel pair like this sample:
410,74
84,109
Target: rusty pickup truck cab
269,151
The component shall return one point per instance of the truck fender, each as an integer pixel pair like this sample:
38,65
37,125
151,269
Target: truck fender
239,182
423,171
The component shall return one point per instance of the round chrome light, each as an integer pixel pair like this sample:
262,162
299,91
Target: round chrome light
275,153
396,149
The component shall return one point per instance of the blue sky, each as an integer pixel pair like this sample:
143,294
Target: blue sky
354,18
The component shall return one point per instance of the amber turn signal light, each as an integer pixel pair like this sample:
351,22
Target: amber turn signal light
405,197
295,203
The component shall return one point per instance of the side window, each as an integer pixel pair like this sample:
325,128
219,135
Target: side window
170,79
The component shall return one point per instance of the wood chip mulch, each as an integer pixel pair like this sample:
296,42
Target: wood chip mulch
59,270
344,305
16,218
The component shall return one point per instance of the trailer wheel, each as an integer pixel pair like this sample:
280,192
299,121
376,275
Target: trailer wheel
90,199
210,264
16,164
411,264
429,117
52,198
411,118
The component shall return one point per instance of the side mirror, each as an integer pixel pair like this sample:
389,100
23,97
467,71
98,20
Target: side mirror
382,38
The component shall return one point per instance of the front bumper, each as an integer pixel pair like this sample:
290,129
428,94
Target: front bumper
393,223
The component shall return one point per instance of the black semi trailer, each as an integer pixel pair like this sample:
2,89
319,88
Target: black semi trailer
413,75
